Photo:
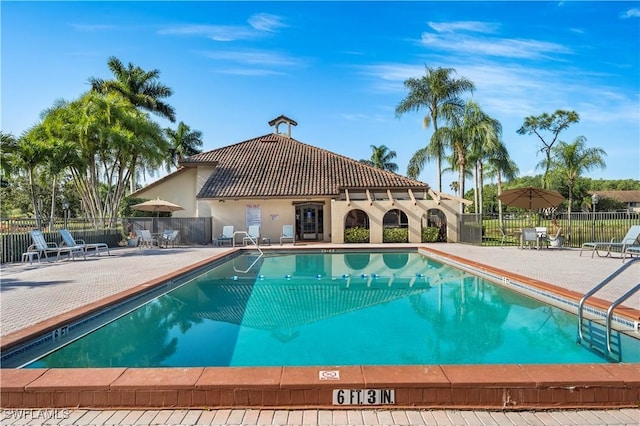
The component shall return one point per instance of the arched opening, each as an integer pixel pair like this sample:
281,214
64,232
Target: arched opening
356,227
434,226
395,227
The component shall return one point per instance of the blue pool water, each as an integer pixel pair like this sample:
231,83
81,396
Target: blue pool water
334,309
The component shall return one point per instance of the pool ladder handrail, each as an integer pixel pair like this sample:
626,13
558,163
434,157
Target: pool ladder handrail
249,237
609,315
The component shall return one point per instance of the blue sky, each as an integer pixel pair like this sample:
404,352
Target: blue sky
338,68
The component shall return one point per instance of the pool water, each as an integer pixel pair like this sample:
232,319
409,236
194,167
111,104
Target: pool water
334,309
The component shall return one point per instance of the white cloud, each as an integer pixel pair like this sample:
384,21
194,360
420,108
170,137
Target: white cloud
632,13
501,47
256,57
470,26
266,22
258,26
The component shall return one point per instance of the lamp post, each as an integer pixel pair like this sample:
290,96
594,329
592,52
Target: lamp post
65,212
595,198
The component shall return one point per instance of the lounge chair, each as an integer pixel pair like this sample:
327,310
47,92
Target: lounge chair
146,239
169,236
287,234
632,237
529,236
226,236
253,235
631,251
43,247
69,241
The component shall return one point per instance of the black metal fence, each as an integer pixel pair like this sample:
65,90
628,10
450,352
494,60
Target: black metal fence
15,238
583,227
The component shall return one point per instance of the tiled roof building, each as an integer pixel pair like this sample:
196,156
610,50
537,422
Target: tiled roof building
274,180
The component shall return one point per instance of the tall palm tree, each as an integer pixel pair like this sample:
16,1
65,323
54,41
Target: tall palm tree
183,142
435,90
140,87
381,158
501,166
570,161
8,143
481,149
468,126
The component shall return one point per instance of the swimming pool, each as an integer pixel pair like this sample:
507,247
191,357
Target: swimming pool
339,308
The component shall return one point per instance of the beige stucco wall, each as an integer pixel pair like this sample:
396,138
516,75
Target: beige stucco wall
377,210
274,213
180,189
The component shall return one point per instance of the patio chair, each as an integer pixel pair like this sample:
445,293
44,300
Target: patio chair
630,239
169,236
69,241
146,239
529,236
253,235
507,235
43,247
287,234
555,241
226,236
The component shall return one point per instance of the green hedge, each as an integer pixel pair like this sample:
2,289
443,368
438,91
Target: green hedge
356,235
430,234
395,235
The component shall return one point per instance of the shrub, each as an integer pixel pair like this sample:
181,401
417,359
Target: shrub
430,234
395,235
356,235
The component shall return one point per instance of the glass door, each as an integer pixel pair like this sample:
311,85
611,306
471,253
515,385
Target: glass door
309,222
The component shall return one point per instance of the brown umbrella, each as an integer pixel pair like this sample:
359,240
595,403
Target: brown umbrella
157,206
531,198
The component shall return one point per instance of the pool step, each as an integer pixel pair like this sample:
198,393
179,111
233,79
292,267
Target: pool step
595,338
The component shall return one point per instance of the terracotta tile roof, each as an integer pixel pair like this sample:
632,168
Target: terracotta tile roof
275,165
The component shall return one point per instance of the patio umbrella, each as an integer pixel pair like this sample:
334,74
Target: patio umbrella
157,206
531,198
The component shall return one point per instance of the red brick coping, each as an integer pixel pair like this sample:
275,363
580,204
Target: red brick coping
512,387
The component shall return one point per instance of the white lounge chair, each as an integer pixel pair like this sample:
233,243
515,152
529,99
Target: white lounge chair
253,235
631,251
169,236
632,238
226,236
69,241
287,234
43,247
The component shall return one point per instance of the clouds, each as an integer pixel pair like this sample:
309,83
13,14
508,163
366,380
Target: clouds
478,38
631,13
258,26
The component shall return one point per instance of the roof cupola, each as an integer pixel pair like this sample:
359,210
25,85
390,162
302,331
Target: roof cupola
276,122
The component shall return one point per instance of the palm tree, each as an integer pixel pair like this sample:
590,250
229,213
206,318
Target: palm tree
554,123
31,154
481,149
8,143
381,158
501,166
183,142
140,87
468,127
435,90
570,161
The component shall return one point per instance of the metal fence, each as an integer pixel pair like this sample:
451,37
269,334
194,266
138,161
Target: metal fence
15,238
585,226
